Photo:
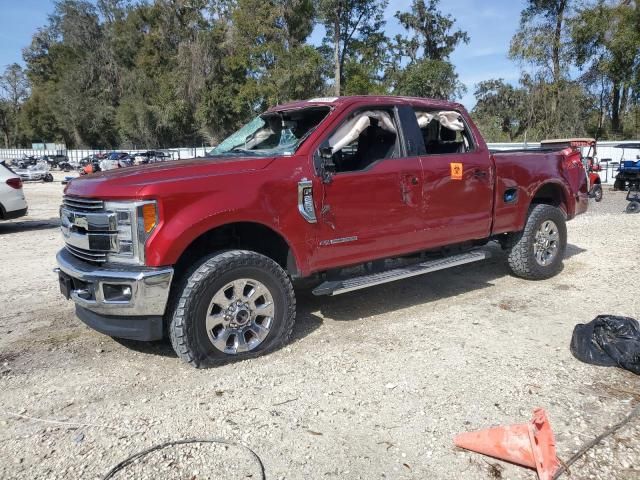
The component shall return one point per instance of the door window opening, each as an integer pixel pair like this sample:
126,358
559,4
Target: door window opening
363,139
444,132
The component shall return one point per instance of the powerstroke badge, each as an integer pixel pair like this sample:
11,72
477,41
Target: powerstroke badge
456,171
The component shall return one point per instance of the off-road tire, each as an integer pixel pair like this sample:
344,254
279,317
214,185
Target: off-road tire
187,330
520,245
596,192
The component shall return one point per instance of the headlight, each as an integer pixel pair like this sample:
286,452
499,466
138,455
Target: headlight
135,221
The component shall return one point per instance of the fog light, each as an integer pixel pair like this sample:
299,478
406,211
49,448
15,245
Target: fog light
116,293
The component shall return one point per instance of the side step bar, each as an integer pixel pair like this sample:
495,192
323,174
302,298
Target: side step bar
337,287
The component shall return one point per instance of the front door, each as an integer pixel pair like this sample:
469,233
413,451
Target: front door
371,207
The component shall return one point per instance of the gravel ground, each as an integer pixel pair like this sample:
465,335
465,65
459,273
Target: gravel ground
375,384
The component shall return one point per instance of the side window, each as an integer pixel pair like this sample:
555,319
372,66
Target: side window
364,138
444,132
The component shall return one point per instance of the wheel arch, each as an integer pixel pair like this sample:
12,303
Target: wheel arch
554,194
248,235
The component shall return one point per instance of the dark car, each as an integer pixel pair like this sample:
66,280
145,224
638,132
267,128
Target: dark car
152,156
58,161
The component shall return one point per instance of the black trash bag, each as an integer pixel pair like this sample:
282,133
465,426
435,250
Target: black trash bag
609,341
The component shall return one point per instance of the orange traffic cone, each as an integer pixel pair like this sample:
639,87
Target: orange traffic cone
529,444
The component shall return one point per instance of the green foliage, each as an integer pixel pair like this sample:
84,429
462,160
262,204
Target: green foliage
602,38
428,72
14,90
353,34
430,78
432,32
160,73
503,107
606,44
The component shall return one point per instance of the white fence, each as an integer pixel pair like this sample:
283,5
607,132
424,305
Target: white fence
76,154
608,155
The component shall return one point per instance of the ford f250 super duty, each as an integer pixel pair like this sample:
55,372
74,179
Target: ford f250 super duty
350,191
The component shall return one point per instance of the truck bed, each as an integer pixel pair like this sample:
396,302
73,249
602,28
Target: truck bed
520,173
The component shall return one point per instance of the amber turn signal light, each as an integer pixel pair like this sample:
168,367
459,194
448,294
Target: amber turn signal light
149,216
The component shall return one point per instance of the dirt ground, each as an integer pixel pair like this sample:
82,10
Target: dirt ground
375,384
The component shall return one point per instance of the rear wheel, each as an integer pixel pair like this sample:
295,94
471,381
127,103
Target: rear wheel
234,305
536,252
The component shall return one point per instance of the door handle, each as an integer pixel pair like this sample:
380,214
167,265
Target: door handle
414,180
479,173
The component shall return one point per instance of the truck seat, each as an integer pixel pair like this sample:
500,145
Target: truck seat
446,144
374,144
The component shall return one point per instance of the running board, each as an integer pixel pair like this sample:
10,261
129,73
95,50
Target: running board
337,287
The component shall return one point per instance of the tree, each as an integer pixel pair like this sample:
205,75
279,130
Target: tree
542,41
504,104
431,32
606,42
14,89
428,72
346,21
430,78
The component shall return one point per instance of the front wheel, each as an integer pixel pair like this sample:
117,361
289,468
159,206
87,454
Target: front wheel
234,305
536,252
596,192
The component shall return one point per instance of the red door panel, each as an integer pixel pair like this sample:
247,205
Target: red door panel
457,210
369,214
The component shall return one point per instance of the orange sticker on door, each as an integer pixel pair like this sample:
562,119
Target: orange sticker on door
456,171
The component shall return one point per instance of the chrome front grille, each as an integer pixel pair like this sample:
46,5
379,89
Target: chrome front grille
82,204
87,255
90,232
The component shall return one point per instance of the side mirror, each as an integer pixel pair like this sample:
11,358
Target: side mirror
326,152
327,166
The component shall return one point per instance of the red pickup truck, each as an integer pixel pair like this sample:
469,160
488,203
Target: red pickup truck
350,192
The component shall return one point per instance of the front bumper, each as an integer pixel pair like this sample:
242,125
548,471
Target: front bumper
92,287
133,328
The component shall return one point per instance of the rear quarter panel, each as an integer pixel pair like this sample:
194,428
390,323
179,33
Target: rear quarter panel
527,173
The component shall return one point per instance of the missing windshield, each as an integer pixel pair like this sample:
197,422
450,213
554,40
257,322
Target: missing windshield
273,133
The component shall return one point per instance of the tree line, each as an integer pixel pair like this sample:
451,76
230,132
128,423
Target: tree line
161,73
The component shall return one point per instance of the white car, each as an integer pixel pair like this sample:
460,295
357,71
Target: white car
12,201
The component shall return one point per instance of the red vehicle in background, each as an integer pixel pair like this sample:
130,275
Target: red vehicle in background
589,160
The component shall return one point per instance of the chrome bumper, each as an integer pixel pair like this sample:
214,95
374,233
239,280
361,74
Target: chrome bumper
149,287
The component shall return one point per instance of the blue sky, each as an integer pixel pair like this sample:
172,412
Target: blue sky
490,25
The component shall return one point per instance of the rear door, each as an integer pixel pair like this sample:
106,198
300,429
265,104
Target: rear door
458,179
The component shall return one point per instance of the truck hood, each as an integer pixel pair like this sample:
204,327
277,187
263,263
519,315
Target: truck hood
132,182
